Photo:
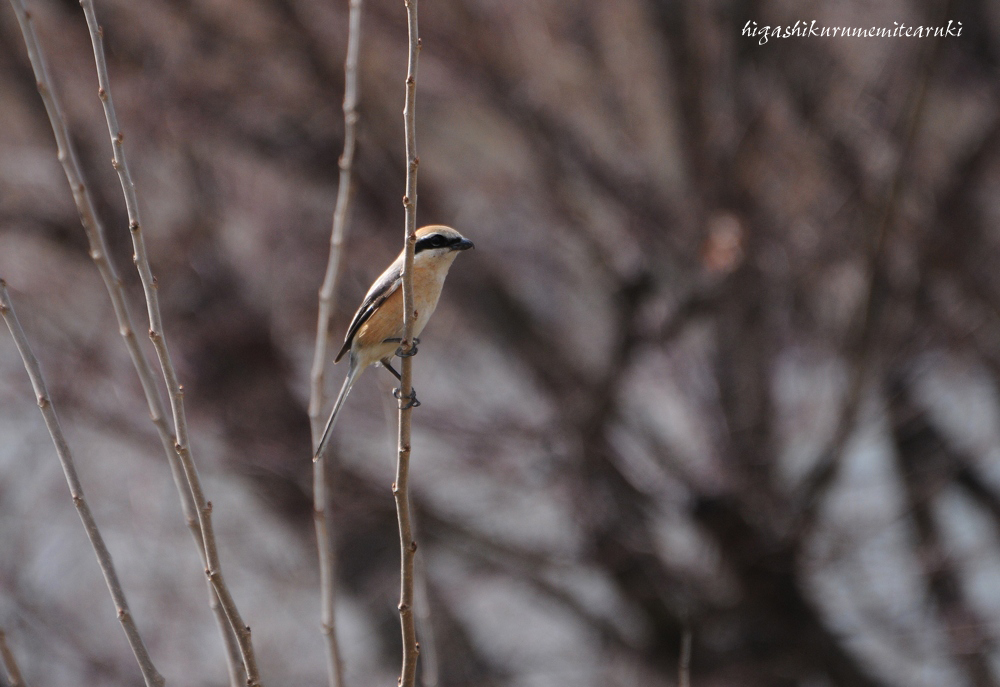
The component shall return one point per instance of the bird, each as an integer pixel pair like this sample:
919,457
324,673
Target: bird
375,334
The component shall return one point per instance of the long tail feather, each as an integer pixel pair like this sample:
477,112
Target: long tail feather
352,375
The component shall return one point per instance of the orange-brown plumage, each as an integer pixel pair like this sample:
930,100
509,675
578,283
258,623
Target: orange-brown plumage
375,332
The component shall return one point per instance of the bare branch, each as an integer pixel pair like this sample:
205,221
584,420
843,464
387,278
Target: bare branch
327,292
327,572
400,487
149,673
430,673
174,389
95,231
684,665
99,253
9,663
324,544
234,659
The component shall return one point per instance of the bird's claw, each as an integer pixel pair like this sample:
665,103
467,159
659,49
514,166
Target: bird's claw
400,353
406,400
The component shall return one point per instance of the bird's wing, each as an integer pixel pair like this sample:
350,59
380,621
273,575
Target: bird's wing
383,287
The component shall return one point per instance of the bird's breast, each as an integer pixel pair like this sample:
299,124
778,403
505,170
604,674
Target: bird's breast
387,322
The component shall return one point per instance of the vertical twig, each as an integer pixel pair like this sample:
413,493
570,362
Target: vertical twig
175,391
400,487
149,673
430,672
327,292
9,663
234,660
684,665
99,254
324,544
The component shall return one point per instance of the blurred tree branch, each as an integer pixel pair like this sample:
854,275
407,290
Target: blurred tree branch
927,468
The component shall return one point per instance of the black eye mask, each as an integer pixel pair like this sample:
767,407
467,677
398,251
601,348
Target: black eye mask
436,241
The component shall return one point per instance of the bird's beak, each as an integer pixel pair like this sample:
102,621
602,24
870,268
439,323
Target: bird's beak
464,244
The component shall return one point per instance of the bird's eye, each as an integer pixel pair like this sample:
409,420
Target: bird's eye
437,241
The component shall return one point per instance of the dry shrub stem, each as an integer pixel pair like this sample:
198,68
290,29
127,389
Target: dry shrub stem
175,391
684,665
400,488
430,673
317,400
99,254
10,663
327,292
149,673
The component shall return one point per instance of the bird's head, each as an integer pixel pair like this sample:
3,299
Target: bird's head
437,241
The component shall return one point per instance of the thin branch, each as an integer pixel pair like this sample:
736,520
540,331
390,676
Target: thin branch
684,665
430,673
149,673
400,488
99,254
324,544
175,391
9,663
327,292
234,659
92,226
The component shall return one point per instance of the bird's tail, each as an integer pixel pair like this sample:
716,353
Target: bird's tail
352,374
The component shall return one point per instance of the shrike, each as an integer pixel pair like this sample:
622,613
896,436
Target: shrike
376,331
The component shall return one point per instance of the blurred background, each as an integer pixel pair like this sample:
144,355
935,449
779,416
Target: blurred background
724,360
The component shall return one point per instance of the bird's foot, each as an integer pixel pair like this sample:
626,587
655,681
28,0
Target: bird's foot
399,351
406,401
